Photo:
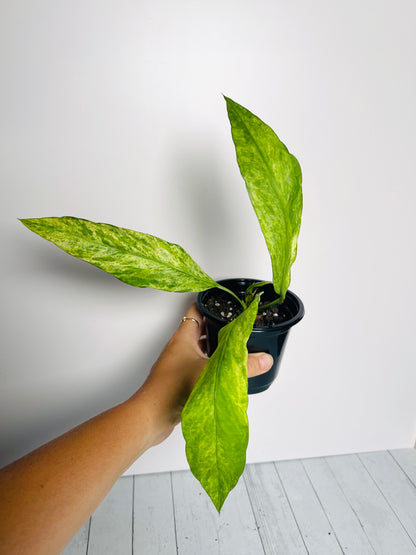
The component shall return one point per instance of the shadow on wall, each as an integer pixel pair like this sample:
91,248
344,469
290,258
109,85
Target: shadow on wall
73,400
202,198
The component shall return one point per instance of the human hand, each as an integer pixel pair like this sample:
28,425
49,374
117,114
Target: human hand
177,369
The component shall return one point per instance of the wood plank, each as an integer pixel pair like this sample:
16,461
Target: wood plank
381,525
79,543
396,487
316,530
199,528
344,521
111,525
406,458
277,525
153,516
363,504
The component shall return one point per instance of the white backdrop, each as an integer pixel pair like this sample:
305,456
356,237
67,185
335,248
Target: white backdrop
112,111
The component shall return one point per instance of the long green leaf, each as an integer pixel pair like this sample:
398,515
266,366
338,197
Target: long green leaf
214,420
136,258
274,183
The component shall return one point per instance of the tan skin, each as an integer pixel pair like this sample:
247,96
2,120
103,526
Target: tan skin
48,494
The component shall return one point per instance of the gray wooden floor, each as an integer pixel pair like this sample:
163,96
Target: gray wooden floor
354,504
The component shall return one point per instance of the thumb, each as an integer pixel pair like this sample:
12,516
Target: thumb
258,363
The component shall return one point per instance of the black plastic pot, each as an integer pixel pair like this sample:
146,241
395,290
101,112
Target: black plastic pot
270,340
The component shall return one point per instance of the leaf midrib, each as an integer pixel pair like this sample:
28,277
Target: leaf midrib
124,250
271,173
222,354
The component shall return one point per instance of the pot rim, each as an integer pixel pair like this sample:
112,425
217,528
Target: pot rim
281,327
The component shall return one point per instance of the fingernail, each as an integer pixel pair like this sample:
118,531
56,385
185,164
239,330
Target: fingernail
265,362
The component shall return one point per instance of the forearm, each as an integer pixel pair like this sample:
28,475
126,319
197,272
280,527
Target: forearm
48,494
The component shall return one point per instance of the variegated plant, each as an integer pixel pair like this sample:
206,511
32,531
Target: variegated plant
214,420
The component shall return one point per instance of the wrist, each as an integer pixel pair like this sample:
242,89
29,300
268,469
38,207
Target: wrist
155,412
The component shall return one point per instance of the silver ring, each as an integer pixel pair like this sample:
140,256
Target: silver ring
188,318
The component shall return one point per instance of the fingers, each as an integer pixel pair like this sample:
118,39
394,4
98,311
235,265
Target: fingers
193,324
258,363
192,329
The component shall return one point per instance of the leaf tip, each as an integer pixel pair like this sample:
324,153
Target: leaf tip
31,223
229,102
218,501
25,221
219,506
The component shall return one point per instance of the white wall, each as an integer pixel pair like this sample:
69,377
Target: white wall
112,111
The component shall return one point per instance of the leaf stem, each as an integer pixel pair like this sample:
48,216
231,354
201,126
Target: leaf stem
276,301
240,301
